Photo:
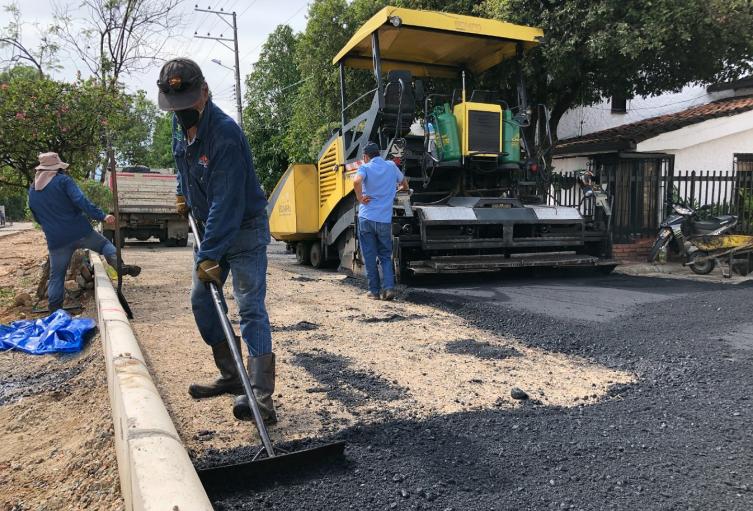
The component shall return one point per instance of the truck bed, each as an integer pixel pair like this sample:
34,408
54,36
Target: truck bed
146,193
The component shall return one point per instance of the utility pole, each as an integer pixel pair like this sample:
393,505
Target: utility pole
223,40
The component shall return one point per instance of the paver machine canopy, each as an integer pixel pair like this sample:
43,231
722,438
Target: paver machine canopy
479,189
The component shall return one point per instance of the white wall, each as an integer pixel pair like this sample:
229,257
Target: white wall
569,164
709,145
584,120
714,155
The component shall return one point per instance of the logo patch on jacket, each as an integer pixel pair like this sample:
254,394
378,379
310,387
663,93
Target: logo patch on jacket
204,161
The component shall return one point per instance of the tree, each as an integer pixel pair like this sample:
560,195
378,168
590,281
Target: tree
594,49
160,154
39,114
132,129
41,58
330,25
119,36
271,89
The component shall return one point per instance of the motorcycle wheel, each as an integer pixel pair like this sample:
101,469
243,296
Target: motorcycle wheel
660,243
701,268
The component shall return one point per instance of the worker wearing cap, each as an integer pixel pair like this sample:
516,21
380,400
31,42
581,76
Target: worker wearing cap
63,211
376,184
218,185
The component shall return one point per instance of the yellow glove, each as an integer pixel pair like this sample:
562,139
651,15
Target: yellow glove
181,206
209,271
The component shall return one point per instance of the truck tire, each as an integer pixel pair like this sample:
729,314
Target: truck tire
302,252
315,255
181,242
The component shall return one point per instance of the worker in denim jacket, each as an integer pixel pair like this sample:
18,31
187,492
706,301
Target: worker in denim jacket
217,183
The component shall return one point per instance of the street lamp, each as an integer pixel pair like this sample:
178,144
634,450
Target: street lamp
237,89
219,63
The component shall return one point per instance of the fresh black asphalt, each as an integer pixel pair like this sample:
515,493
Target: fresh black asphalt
680,438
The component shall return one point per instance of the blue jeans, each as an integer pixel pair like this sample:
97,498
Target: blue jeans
60,258
247,261
375,239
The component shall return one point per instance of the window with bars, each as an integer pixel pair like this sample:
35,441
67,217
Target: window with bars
743,162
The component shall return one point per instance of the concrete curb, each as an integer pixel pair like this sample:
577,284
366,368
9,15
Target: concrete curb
155,470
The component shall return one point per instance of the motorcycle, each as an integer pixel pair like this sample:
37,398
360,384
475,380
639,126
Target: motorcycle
683,224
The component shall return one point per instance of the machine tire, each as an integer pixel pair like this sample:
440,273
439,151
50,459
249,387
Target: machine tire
660,243
181,242
703,268
302,253
316,258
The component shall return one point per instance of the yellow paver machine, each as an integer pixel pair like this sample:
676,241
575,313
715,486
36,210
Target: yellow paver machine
478,199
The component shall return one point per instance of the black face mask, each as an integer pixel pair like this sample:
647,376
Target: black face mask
188,118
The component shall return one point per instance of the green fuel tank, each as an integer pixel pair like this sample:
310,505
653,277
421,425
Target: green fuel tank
448,141
510,139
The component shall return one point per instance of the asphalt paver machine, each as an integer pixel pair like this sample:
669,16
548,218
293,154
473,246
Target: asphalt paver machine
478,199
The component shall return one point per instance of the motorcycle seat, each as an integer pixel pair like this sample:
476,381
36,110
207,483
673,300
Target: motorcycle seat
724,219
712,224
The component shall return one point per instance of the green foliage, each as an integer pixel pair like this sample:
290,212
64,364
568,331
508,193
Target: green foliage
160,155
330,25
594,49
72,119
132,128
270,93
38,114
317,102
14,200
98,193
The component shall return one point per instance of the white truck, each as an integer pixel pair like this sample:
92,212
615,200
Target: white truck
146,199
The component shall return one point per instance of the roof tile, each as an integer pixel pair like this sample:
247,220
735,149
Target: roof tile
627,136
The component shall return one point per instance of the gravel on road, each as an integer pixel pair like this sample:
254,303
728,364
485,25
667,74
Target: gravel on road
645,407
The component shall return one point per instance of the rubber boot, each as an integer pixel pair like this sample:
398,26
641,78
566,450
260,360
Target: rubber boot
261,371
128,269
228,383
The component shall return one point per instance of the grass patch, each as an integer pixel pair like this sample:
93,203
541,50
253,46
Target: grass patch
6,295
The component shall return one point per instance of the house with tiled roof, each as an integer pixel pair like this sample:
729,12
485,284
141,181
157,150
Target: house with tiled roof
653,151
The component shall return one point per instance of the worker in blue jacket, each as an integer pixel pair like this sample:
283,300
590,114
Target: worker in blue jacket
218,184
63,211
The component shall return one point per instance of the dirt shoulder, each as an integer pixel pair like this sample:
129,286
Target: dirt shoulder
343,359
57,451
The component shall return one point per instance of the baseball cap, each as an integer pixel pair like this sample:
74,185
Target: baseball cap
371,150
179,83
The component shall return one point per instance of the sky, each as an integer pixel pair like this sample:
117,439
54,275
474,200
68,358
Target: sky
256,19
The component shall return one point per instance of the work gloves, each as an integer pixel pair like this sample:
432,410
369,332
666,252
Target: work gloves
209,271
181,206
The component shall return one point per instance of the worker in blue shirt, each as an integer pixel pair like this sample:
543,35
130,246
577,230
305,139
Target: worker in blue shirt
218,184
376,183
59,206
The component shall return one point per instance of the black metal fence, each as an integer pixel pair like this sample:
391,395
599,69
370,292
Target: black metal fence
636,188
642,192
728,193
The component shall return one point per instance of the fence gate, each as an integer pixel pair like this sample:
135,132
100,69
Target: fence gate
637,188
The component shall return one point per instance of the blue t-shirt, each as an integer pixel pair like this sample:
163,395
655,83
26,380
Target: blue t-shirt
380,180
62,210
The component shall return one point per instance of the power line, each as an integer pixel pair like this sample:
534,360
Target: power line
247,8
222,40
283,23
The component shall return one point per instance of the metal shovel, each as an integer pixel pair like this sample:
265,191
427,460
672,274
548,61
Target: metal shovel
267,458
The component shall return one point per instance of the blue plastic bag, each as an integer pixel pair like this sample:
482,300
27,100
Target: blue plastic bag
56,333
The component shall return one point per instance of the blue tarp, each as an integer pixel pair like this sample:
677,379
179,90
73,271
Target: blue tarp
56,333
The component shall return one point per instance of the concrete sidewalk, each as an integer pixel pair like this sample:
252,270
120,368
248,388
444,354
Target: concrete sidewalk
675,270
15,228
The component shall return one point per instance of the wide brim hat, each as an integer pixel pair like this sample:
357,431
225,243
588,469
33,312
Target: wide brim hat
51,161
180,82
